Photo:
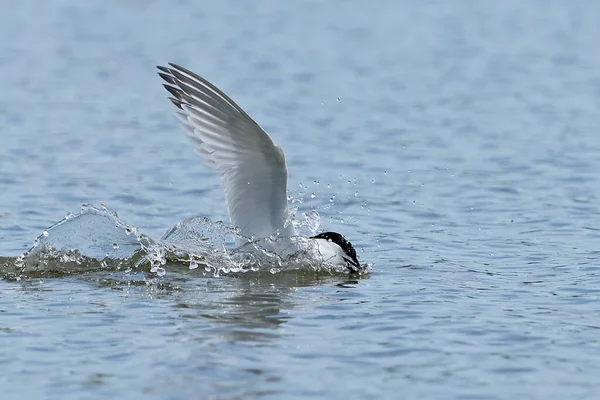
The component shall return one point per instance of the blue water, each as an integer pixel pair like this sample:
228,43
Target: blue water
457,145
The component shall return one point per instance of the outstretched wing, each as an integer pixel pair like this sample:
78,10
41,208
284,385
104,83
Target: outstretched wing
253,169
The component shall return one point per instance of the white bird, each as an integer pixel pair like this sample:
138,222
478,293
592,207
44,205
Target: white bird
253,169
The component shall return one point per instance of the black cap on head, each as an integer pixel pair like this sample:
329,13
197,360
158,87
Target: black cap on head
341,241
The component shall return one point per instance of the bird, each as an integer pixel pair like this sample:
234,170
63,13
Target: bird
253,168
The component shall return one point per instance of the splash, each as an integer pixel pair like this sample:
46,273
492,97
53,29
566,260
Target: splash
95,239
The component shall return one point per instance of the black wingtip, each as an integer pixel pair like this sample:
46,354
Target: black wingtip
178,70
163,69
167,78
176,66
175,91
178,103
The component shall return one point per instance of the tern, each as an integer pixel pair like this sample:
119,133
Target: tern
253,168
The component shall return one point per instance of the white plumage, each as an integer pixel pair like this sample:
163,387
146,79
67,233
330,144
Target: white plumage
253,169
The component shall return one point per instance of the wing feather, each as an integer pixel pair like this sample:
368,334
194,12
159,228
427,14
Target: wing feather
253,169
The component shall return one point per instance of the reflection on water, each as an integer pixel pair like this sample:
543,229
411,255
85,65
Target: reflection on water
247,309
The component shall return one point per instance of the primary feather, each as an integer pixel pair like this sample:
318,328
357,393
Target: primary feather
253,169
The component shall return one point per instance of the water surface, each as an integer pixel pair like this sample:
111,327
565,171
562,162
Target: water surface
456,145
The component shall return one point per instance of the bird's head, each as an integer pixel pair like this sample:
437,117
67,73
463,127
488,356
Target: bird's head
348,251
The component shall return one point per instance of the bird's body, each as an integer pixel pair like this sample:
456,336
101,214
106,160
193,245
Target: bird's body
253,168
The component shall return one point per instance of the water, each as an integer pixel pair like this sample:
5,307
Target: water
455,144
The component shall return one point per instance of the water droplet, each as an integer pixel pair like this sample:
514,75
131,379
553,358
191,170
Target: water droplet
274,270
45,233
338,99
329,186
115,246
385,172
332,199
312,196
103,207
316,183
356,193
69,215
36,242
193,264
